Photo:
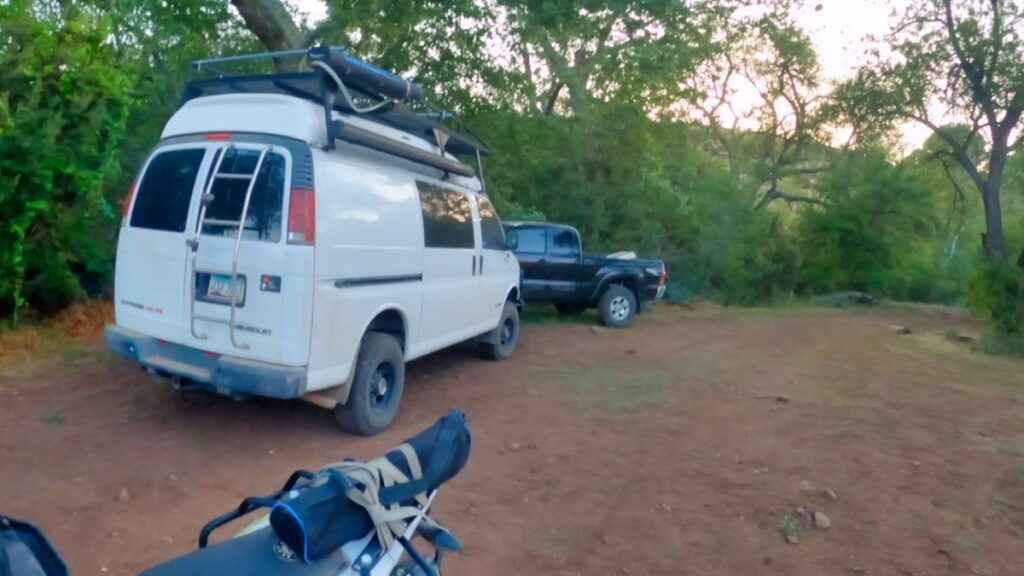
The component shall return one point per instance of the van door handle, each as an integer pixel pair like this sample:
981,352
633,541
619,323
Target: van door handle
474,264
481,264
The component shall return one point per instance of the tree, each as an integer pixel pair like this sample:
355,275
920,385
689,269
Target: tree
957,57
577,51
759,96
538,55
272,23
63,111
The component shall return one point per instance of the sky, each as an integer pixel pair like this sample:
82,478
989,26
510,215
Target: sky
838,29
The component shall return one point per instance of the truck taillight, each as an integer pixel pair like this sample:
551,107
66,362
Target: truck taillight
664,275
127,204
302,216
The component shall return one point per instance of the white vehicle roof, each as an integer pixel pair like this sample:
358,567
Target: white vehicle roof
298,119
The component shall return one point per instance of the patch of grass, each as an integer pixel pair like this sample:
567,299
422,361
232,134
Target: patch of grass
73,351
547,314
779,308
613,386
53,417
966,544
1019,474
998,344
789,527
1010,449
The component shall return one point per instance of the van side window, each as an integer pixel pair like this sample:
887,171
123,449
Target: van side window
263,220
493,235
447,218
531,240
163,197
564,243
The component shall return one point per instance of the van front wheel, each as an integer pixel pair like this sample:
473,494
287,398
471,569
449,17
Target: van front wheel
501,342
376,388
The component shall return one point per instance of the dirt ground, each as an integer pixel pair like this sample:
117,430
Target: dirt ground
677,446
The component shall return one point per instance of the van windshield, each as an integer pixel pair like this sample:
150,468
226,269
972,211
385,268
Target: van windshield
263,219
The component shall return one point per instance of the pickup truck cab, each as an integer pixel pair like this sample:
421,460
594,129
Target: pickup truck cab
556,270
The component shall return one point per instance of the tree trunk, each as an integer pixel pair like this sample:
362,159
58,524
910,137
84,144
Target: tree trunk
993,240
579,96
270,21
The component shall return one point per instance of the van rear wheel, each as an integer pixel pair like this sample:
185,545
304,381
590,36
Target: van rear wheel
376,388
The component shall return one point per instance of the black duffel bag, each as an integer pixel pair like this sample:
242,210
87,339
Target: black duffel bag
320,518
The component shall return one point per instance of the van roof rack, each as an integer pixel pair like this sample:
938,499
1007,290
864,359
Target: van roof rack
320,75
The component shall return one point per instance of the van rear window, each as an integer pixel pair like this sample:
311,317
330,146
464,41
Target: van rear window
263,219
162,200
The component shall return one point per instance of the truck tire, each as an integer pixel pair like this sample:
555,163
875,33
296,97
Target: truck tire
376,388
567,309
501,342
617,306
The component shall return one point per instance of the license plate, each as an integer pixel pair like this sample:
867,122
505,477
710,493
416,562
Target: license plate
222,287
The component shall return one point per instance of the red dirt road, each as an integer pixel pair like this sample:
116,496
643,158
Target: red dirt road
657,450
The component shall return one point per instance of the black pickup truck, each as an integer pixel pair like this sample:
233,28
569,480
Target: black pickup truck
556,270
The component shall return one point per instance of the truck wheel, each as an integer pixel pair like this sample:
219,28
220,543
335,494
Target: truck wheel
376,387
501,342
566,309
617,306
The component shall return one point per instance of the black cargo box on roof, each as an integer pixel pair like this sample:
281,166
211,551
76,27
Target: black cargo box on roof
421,122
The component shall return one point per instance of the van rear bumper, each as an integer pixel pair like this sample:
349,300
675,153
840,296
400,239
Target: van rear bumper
222,374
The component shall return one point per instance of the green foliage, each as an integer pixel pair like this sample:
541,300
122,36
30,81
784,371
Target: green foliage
996,290
789,527
628,182
580,101
63,111
53,417
879,232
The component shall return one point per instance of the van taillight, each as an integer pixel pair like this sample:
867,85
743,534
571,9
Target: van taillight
664,275
302,216
128,203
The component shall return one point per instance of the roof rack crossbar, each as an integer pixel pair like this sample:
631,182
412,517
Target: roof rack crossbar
247,57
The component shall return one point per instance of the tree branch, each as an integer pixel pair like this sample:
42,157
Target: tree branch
270,21
774,193
552,98
959,150
975,77
524,51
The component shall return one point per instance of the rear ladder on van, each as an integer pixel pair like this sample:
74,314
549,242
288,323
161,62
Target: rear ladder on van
193,243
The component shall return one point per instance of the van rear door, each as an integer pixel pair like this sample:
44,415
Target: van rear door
150,272
251,293
199,274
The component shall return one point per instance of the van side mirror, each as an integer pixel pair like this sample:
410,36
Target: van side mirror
511,241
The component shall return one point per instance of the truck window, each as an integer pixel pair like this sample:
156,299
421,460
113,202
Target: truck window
163,197
263,220
447,218
490,227
531,240
565,243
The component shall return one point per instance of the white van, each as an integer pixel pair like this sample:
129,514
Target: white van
276,246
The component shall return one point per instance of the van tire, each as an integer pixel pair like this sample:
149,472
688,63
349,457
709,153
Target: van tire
377,386
617,306
500,343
